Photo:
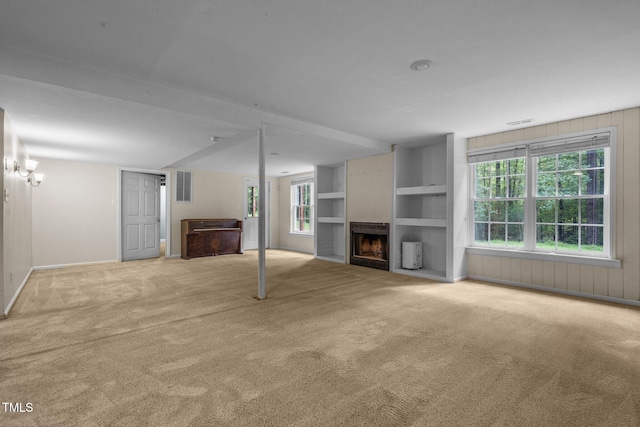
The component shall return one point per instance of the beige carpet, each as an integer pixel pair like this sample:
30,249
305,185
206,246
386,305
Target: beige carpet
175,342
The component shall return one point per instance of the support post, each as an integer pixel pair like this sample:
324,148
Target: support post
262,286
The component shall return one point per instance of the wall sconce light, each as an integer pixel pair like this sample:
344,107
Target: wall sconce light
29,165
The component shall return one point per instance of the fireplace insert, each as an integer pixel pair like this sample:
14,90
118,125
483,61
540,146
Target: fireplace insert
370,244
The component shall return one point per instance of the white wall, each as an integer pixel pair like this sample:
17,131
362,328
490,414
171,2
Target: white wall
216,195
75,213
289,241
16,256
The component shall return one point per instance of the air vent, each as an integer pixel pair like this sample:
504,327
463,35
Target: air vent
520,122
183,186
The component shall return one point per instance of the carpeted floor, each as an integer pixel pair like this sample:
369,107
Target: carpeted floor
175,342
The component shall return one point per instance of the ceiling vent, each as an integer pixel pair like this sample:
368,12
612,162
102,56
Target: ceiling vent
520,122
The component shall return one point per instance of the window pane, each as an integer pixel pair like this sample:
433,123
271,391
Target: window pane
516,234
499,186
483,170
482,232
568,211
546,184
481,211
546,236
499,168
515,210
498,234
592,239
516,166
482,188
592,211
592,158
568,183
568,161
568,237
497,211
516,186
547,163
546,211
592,182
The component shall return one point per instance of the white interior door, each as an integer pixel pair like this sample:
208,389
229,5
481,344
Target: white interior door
140,216
251,214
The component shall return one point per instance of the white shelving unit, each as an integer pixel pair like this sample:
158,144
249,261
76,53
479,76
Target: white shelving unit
330,212
430,202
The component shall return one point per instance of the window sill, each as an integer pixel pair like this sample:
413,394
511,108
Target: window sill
292,233
540,256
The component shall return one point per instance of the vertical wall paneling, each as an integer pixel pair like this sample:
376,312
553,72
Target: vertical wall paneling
586,279
516,270
537,273
573,277
498,138
632,204
505,269
526,275
549,274
577,125
561,275
590,122
616,276
540,131
600,281
471,143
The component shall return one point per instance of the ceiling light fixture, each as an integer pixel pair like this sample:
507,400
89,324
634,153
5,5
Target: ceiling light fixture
420,65
215,139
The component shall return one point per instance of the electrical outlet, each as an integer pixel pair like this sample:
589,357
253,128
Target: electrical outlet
6,195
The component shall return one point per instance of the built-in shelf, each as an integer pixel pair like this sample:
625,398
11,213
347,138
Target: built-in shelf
330,212
328,196
430,203
330,220
421,222
422,190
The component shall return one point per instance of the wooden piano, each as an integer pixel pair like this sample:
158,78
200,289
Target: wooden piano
211,236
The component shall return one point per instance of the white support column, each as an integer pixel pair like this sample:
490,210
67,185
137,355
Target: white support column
262,286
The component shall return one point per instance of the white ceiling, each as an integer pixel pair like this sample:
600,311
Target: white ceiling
146,83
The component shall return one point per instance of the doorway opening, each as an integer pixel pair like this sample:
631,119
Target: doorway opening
251,215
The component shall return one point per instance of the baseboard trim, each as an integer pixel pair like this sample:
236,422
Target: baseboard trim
558,291
283,248
17,294
52,267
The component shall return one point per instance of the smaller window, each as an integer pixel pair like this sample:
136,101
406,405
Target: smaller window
302,205
183,186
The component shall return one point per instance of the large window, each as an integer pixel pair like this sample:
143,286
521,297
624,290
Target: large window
302,205
549,195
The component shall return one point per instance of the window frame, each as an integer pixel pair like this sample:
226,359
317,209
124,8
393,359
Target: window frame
293,206
529,250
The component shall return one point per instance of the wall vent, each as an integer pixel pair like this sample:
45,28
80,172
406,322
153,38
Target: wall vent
183,186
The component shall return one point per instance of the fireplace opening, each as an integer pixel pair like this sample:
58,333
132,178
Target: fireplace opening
370,245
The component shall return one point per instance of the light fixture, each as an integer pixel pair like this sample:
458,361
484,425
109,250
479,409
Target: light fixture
420,65
29,165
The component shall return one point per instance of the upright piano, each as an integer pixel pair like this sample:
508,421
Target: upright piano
211,236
